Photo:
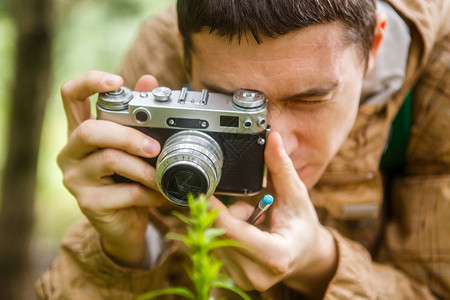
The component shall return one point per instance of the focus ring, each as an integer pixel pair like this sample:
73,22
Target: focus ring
190,161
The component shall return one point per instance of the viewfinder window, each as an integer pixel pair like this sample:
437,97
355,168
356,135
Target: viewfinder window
229,121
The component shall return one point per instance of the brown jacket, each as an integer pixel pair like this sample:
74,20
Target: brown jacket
396,248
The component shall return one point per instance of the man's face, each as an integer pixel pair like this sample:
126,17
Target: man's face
311,77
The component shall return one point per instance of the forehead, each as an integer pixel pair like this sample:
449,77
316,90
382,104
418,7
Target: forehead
312,55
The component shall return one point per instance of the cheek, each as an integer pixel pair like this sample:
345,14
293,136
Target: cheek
315,134
334,123
338,123
345,115
319,131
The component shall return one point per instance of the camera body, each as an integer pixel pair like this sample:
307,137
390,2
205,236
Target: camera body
211,142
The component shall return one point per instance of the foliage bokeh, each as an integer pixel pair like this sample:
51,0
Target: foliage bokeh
89,35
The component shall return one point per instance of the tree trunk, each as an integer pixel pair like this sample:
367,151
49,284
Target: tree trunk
33,19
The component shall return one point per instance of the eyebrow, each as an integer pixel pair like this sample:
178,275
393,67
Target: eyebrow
315,92
213,88
312,92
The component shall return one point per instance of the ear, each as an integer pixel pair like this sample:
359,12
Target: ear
378,38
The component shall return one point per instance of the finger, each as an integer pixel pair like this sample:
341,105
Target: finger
94,134
242,210
248,273
109,161
240,230
75,94
146,83
286,182
261,244
95,200
232,269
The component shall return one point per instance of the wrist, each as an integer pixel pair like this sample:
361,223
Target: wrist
132,256
313,277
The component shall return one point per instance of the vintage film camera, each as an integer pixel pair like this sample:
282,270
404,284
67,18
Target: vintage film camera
211,143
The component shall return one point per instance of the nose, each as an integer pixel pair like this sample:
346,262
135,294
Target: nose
282,122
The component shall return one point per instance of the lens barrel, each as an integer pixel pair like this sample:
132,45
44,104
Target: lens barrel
190,162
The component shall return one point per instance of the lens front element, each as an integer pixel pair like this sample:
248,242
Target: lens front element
190,162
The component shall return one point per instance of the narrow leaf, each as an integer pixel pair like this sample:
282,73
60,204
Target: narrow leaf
228,285
174,236
181,217
181,291
212,233
210,217
226,243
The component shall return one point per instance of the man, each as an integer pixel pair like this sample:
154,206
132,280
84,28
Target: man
329,129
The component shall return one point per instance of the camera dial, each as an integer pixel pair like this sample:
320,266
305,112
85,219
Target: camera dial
162,93
115,100
249,99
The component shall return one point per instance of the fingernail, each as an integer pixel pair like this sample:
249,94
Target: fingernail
112,80
150,146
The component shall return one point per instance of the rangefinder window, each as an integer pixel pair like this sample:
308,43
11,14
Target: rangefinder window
229,121
187,123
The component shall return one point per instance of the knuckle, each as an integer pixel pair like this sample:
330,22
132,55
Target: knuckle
260,287
71,181
136,191
279,266
110,157
260,283
85,130
61,159
86,202
129,137
150,174
66,89
66,182
68,179
245,286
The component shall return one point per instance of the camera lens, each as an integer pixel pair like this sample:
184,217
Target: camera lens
180,180
190,162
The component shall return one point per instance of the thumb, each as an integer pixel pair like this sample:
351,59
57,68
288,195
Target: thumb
284,177
146,83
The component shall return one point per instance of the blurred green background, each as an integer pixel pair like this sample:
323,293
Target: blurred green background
89,35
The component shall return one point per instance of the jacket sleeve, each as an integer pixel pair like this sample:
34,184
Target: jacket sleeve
83,271
358,277
415,248
158,51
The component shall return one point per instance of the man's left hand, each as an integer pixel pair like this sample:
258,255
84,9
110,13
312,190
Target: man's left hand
296,249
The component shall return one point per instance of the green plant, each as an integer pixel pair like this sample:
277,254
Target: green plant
201,239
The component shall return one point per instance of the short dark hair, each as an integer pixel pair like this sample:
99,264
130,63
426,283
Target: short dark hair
274,18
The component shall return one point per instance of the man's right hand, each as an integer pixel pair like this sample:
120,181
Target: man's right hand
98,149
